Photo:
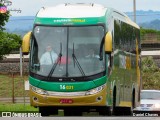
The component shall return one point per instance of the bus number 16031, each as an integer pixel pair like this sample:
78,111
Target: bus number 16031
66,87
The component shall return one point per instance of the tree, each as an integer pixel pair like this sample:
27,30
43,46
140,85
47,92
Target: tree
4,17
148,65
150,73
8,42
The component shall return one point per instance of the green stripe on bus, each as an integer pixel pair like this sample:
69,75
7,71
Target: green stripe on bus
70,21
69,86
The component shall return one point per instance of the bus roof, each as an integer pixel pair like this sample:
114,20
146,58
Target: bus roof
78,10
68,13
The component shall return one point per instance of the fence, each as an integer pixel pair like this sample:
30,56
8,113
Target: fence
16,100
150,38
12,88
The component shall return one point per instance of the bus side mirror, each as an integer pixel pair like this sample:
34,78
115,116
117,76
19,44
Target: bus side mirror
26,43
108,42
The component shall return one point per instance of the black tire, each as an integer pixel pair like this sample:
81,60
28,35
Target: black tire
123,111
105,111
46,111
114,111
77,113
133,99
71,112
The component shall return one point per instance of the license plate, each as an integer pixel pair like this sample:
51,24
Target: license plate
144,109
69,101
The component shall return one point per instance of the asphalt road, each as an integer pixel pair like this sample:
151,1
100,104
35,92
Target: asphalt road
83,118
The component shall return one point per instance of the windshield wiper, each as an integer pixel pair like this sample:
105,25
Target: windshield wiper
76,61
56,63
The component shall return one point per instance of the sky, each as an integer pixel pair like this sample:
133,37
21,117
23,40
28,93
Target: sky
31,7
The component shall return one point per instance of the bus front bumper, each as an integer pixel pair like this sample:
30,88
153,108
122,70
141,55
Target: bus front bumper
98,99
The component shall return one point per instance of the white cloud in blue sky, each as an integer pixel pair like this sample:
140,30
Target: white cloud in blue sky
31,7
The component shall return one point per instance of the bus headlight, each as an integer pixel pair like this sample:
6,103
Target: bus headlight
157,105
95,90
38,90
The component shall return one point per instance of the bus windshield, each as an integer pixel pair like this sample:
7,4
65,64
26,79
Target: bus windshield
66,51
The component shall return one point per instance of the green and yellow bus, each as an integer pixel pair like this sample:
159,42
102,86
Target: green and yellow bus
97,66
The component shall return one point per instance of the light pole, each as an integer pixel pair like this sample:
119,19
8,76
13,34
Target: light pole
134,10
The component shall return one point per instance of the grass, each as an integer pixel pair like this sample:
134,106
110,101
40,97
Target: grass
17,107
27,108
151,80
6,86
6,90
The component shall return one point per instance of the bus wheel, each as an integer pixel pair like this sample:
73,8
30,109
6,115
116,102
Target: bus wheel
44,111
106,111
77,113
71,112
133,101
114,110
122,111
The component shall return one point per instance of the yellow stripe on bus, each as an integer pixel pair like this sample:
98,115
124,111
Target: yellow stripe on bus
125,103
